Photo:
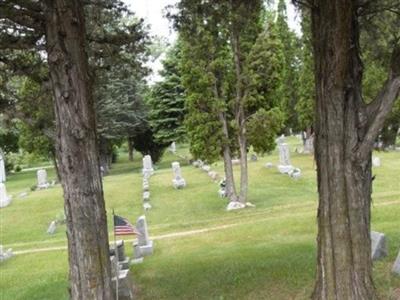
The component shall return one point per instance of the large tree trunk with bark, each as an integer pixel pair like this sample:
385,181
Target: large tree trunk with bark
345,130
76,150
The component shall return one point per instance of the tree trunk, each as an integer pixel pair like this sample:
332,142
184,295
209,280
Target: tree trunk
244,184
76,150
240,116
130,149
230,187
345,130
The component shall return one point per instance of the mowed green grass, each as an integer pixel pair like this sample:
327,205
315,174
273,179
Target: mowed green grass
266,252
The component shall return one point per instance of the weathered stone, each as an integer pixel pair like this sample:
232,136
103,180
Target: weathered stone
213,175
284,159
206,168
146,206
178,182
235,162
146,196
172,147
233,205
253,157
5,200
396,265
42,182
125,285
147,166
4,255
378,245
376,161
295,173
52,227
23,195
143,246
269,165
309,145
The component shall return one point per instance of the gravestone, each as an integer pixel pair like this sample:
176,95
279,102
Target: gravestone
42,179
206,168
146,206
235,162
143,246
234,205
52,227
284,159
2,168
396,265
146,185
269,165
172,147
253,157
213,175
5,200
146,196
147,166
4,255
376,161
378,245
295,173
309,145
125,285
178,182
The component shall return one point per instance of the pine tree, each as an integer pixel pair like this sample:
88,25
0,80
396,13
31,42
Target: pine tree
167,102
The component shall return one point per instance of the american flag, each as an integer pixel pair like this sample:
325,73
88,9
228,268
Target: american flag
123,227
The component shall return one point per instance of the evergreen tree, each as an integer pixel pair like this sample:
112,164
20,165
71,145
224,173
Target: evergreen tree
225,93
289,92
167,102
306,86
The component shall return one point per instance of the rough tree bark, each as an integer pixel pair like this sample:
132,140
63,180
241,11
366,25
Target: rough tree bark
345,129
76,150
240,116
230,187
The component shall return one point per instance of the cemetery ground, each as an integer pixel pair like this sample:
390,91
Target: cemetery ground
201,251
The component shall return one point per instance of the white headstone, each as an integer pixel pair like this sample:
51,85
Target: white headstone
52,227
4,198
172,147
4,255
2,168
143,246
146,196
178,182
295,173
376,161
233,205
284,159
147,166
42,179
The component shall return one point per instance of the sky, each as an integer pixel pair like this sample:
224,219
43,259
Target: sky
152,11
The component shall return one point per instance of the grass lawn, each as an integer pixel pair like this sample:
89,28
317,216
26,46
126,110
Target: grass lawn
266,252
